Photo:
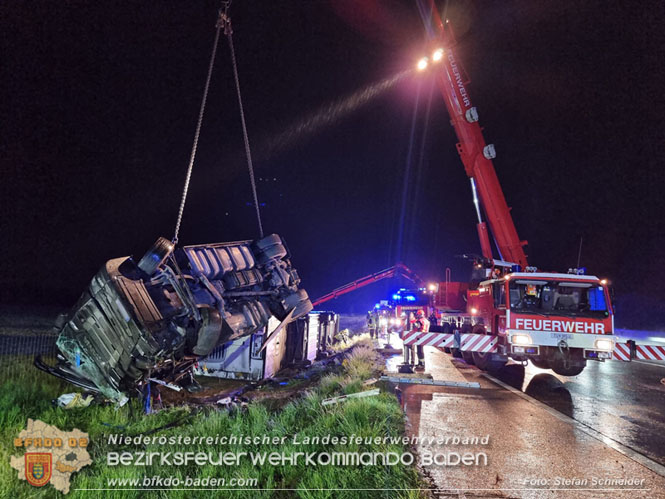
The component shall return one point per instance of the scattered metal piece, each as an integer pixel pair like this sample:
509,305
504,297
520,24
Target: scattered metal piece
164,383
271,336
342,398
426,381
370,381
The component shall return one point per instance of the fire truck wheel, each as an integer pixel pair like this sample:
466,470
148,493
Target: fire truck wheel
575,363
485,362
539,363
468,357
571,370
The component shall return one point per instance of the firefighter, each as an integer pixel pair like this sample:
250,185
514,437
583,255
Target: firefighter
433,321
421,324
531,298
408,350
371,324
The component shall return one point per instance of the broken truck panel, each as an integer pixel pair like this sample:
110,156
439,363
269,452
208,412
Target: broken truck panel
298,344
157,317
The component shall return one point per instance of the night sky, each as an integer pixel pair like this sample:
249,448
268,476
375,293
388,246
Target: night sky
100,101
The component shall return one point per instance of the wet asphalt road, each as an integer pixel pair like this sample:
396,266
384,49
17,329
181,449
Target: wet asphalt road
623,401
606,424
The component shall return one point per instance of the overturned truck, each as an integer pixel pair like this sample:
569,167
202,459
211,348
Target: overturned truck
158,317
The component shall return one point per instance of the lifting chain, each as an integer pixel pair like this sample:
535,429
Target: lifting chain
223,22
197,133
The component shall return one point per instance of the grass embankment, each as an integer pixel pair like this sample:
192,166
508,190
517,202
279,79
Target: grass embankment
379,416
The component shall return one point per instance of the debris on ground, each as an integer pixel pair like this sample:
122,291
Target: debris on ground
73,400
343,398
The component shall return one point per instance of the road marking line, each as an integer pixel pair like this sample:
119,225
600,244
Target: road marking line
648,363
613,444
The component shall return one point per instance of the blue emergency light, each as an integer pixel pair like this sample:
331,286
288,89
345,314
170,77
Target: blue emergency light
579,271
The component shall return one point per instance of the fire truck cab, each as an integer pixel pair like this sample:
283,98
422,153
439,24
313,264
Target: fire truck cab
557,321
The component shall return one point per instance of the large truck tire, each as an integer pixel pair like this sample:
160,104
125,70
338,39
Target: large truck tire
468,357
267,241
570,365
571,370
155,256
274,252
486,362
540,363
298,301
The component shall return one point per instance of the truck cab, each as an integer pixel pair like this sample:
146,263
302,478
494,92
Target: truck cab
558,321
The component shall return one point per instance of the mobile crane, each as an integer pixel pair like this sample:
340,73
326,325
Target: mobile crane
556,320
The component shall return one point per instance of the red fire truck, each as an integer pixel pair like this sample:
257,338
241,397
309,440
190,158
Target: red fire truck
509,309
557,320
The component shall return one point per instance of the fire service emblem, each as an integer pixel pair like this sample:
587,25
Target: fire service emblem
38,468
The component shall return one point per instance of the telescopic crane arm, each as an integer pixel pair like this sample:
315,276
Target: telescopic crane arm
398,269
476,154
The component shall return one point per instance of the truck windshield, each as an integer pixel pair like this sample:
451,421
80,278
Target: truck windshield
558,298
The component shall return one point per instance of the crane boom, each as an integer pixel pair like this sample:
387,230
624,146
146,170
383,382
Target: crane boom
397,269
475,153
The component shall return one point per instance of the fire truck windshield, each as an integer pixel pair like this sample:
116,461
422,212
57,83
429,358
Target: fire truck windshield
580,299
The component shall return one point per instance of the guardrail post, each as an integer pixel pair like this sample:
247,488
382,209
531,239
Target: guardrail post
633,349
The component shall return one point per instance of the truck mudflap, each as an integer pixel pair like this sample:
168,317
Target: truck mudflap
630,351
483,343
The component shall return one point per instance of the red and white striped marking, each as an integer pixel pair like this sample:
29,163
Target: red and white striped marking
642,352
468,342
621,352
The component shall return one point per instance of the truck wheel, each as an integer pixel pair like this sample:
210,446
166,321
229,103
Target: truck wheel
267,241
298,300
571,370
540,363
575,365
274,252
155,256
485,362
